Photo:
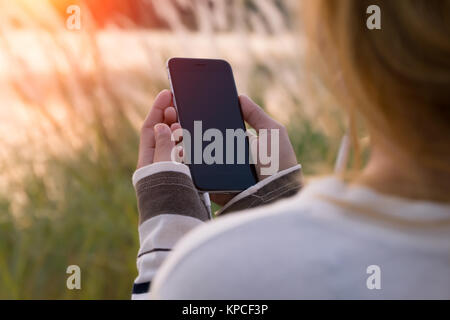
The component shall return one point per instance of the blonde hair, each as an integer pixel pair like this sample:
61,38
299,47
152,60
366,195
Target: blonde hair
397,78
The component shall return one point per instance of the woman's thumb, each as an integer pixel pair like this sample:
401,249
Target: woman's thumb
255,116
164,144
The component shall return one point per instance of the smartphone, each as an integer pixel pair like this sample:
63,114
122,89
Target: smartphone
207,103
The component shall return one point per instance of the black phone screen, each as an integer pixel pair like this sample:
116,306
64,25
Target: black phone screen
208,106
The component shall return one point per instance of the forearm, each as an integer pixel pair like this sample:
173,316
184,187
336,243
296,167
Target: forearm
169,207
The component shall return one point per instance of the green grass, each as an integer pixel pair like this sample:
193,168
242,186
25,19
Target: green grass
90,220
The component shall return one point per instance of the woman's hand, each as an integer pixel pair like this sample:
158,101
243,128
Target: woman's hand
258,119
156,144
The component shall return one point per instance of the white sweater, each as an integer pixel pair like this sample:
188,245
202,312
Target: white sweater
331,241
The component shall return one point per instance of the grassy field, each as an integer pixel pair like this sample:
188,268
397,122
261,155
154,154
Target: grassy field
71,107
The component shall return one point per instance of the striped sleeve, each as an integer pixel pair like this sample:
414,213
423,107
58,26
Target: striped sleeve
169,207
284,184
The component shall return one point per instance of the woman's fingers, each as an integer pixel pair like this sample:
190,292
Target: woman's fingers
255,116
175,126
177,132
170,116
164,145
156,115
177,136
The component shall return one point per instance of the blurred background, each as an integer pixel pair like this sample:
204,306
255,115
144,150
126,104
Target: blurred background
72,102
